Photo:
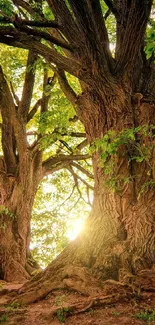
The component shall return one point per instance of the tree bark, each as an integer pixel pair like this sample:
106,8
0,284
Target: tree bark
116,95
118,239
17,197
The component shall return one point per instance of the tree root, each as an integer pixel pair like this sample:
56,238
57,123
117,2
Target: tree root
69,277
80,279
69,310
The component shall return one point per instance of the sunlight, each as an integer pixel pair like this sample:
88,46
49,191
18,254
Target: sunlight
75,228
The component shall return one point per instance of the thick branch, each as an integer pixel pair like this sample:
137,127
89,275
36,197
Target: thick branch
66,21
45,96
131,28
111,6
8,112
44,23
66,88
101,30
42,34
62,160
12,37
28,86
93,32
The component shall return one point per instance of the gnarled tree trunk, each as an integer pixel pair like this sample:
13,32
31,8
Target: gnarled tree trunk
118,239
17,197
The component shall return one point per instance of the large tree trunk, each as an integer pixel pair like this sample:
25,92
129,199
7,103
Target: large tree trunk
118,239
16,201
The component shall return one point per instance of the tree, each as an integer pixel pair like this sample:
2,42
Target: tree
116,107
30,153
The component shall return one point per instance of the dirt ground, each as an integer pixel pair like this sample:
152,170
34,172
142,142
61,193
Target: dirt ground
57,308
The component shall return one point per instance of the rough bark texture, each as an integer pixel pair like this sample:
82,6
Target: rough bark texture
17,194
118,240
117,93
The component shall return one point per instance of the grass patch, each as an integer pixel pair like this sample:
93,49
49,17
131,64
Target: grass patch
146,315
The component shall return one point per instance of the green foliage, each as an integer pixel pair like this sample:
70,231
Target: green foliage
5,211
3,318
13,61
150,41
146,315
47,11
13,306
7,7
62,313
116,313
146,186
128,144
59,114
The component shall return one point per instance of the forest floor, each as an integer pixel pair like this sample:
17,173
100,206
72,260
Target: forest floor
59,308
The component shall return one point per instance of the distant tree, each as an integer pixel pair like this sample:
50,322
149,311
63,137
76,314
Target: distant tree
30,152
116,107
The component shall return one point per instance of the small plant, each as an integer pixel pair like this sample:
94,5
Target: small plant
4,210
115,313
62,313
13,305
3,318
146,315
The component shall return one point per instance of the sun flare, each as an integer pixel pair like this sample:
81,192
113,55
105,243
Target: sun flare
75,229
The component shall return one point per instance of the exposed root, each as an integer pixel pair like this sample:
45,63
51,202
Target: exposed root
69,277
83,306
80,280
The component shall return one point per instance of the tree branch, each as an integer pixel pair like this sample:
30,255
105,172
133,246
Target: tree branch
10,126
93,32
13,37
83,170
28,86
33,110
66,88
130,30
76,177
16,98
81,145
67,23
34,23
60,161
42,34
111,6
